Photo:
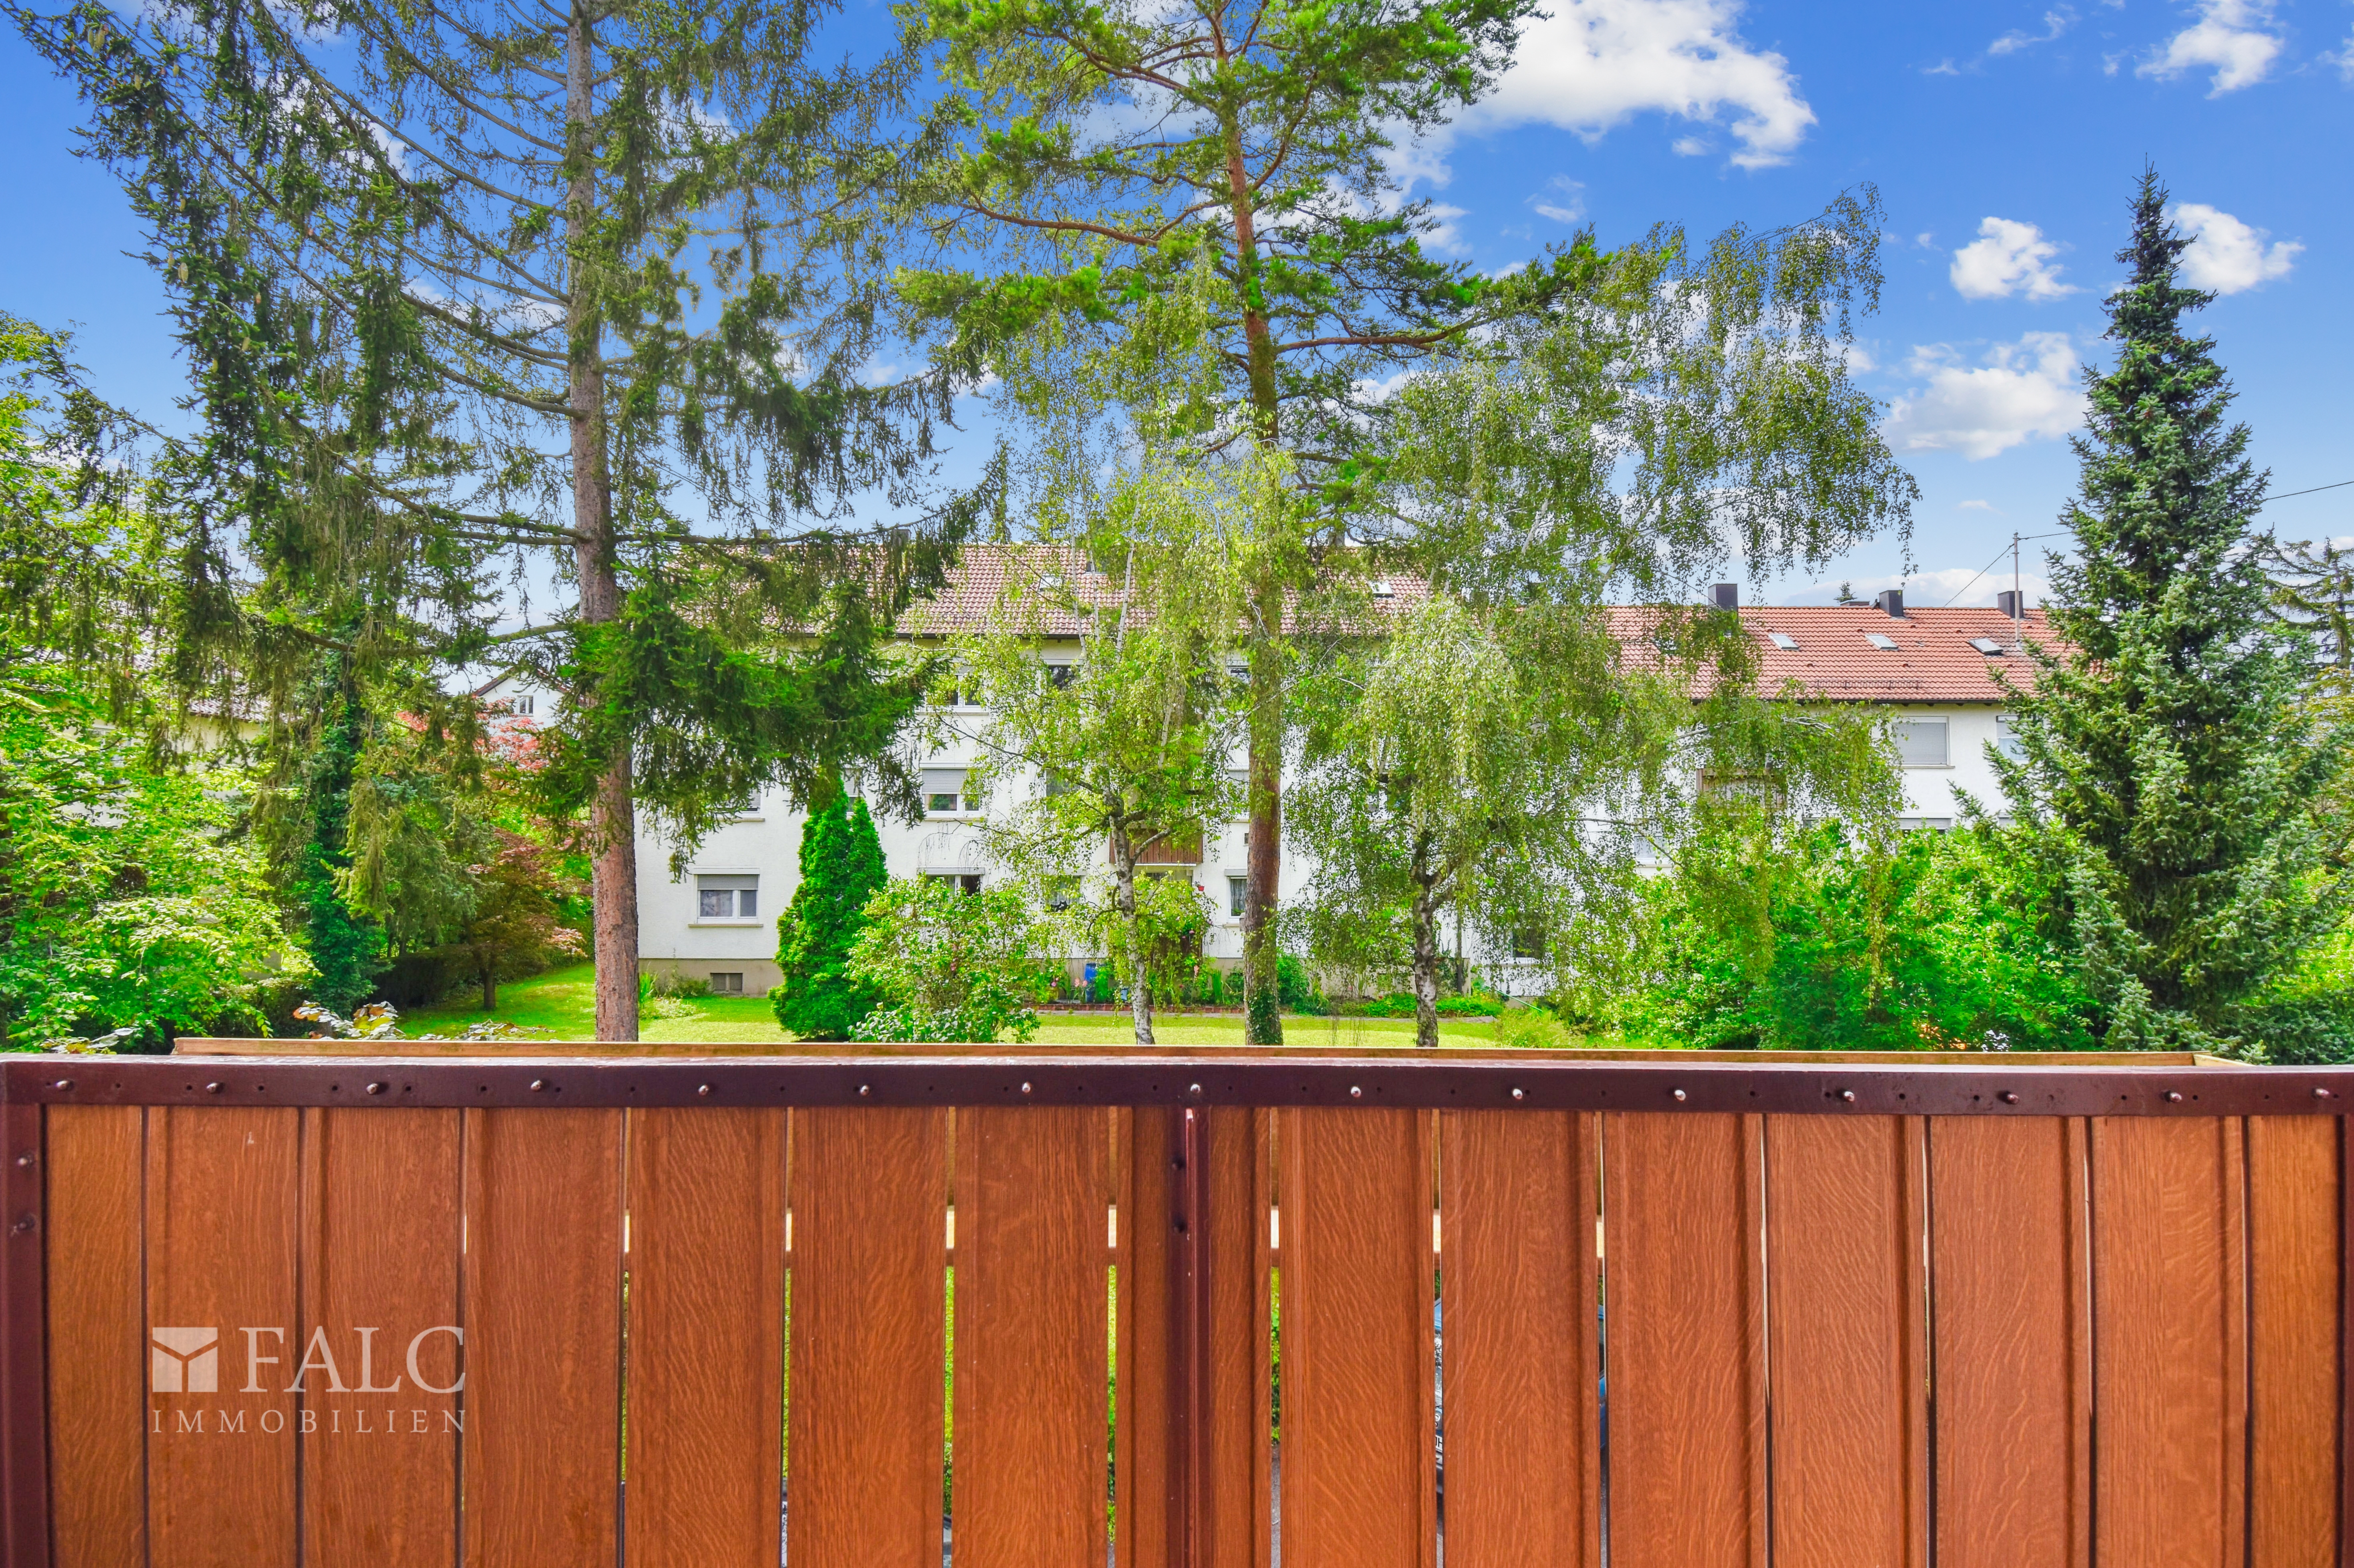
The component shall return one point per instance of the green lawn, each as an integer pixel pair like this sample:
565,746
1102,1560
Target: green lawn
563,1002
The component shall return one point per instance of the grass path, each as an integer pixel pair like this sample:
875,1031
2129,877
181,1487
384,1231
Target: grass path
563,1002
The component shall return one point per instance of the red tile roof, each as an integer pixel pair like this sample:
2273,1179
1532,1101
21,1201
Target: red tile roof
1935,659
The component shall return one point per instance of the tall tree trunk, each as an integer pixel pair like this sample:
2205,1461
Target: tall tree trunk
1425,954
612,817
1262,1007
490,976
1139,978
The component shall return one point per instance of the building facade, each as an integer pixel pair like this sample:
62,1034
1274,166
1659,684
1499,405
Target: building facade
1944,676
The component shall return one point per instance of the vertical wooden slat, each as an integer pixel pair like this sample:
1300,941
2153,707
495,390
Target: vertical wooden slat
2293,1305
869,1192
1683,1340
1030,1338
96,1337
223,1194
1147,1375
1237,1338
706,1338
1851,1474
2169,1352
1524,1477
543,1289
380,1251
23,1348
2007,1277
1266,1178
1359,1486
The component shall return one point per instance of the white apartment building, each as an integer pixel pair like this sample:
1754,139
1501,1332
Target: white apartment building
1935,670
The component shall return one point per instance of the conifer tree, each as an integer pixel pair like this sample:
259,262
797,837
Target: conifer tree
841,868
2170,779
481,298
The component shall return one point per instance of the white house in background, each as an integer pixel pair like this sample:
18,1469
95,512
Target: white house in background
717,922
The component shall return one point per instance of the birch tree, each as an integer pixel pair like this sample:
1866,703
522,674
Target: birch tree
1132,747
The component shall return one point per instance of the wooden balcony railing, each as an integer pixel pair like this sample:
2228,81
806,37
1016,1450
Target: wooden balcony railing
1324,1309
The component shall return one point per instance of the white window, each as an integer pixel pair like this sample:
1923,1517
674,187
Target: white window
1381,590
2006,736
1062,893
945,793
726,897
1988,646
728,982
1881,640
968,881
521,704
1920,741
1926,824
1783,640
1237,894
1059,675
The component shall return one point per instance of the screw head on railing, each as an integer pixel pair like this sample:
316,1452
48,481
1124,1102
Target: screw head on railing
2008,1096
25,1160
1025,1086
864,1090
1680,1094
537,1084
2318,1093
702,1089
24,1222
1355,1093
375,1088
1848,1094
213,1088
2174,1097
1519,1094
1194,1090
63,1085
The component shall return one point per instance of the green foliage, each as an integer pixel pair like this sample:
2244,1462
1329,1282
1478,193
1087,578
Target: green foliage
1931,941
127,898
348,949
474,297
515,924
2170,766
1295,989
840,871
951,965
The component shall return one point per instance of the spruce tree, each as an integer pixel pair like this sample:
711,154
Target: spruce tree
480,301
841,868
2170,770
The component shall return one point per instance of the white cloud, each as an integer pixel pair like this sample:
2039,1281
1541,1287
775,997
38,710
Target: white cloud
1930,590
2007,257
2227,255
1589,65
2055,23
1444,235
2342,57
1562,200
1688,146
2231,36
1978,506
2024,391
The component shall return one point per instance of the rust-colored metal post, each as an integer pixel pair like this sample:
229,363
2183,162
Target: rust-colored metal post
24,1404
1189,1341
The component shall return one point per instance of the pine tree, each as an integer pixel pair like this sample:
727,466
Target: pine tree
2170,770
841,868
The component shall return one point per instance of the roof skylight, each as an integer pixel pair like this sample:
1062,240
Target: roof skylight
1781,639
1881,640
1986,645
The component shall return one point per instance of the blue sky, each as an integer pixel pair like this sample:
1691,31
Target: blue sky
2004,138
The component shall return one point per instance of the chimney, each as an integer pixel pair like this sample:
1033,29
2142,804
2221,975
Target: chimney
1892,601
1725,595
2011,602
